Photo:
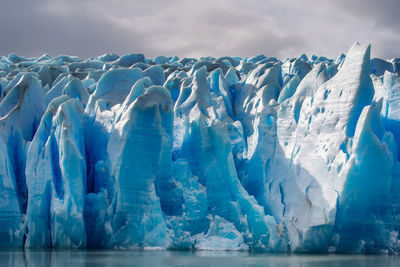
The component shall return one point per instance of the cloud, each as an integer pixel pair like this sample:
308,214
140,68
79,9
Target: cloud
34,30
385,13
198,28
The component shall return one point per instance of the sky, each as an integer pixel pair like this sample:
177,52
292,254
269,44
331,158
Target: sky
189,28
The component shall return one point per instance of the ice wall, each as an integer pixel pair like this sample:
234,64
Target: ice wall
214,153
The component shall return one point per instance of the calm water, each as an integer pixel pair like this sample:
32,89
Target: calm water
186,258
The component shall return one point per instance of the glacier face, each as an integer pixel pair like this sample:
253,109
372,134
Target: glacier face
221,154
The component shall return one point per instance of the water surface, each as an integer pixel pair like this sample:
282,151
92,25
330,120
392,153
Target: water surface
111,258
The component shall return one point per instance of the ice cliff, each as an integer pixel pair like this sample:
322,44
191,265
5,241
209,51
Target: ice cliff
213,153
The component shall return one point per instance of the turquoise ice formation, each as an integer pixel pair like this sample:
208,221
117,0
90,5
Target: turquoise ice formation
212,154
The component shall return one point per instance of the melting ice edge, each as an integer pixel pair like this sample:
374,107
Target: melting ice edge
219,154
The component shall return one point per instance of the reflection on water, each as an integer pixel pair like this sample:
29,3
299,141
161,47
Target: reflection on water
78,258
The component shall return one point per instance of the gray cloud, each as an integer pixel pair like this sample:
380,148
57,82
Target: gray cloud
281,28
384,13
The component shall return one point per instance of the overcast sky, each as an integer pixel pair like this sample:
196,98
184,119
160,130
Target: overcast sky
281,28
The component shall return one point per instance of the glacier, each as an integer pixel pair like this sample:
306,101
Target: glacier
229,153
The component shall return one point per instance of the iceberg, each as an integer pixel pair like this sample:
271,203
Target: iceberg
229,153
